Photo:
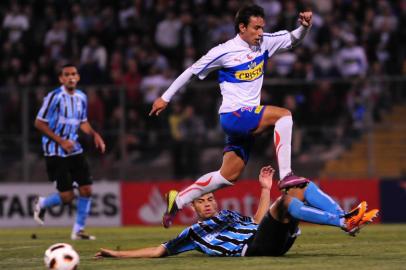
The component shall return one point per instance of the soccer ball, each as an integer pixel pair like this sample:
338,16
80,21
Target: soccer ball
61,256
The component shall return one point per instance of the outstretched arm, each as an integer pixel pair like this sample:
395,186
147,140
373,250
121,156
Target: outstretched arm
297,35
150,252
265,179
162,102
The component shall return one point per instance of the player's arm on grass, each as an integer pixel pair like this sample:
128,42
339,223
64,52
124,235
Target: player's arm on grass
98,140
43,126
265,179
149,252
182,243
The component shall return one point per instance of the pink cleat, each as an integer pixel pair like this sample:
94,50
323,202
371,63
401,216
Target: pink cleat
291,180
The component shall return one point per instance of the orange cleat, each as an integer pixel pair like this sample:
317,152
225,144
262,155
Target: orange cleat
365,220
354,217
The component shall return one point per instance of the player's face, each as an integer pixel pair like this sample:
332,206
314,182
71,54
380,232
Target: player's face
252,33
205,206
69,77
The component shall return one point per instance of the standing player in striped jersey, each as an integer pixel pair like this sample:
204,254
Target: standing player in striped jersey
241,62
271,232
63,113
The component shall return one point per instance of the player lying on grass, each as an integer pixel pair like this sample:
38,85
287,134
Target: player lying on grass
271,232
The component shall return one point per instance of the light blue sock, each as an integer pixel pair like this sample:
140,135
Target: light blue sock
50,201
315,197
299,210
82,212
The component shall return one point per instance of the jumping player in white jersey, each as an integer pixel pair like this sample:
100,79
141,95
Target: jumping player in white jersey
240,63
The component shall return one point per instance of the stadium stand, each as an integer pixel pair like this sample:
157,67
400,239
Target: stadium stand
130,51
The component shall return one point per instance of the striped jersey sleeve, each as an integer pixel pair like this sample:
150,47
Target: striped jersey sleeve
213,60
49,106
277,42
182,243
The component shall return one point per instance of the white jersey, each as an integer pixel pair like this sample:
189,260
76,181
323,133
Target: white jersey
241,68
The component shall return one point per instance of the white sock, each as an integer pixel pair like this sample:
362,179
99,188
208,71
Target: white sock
283,141
76,228
205,184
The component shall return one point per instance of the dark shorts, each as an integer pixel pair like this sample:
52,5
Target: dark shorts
238,126
67,170
273,238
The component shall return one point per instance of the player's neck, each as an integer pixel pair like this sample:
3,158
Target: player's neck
70,91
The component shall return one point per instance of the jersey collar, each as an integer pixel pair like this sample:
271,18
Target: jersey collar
243,43
66,91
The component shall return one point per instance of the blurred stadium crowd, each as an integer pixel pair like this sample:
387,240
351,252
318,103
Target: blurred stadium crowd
141,46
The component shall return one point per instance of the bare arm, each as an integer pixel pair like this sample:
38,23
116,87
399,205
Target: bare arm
98,140
149,252
265,180
43,126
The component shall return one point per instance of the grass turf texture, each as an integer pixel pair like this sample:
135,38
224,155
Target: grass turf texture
319,247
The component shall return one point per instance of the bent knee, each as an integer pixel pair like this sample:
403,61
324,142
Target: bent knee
85,191
285,112
234,176
67,197
297,193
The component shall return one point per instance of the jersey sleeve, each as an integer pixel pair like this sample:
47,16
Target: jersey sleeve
48,107
277,42
182,243
213,60
83,116
237,216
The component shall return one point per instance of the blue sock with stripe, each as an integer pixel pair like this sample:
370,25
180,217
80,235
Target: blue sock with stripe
299,210
82,212
50,201
315,197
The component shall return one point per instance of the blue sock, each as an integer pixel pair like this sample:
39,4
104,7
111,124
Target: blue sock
315,197
83,209
299,210
51,200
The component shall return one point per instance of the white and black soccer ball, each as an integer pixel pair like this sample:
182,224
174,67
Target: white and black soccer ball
61,256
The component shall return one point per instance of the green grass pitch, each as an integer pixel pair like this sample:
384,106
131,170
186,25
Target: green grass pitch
319,247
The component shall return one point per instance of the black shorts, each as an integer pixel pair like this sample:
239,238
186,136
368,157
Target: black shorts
67,170
273,238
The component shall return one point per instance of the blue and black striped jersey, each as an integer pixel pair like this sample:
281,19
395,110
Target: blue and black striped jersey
64,113
225,234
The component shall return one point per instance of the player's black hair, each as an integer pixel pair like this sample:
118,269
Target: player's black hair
65,66
243,15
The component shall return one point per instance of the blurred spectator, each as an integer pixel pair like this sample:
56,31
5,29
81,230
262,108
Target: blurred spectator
95,110
15,23
175,118
284,62
324,65
351,59
187,130
94,54
167,36
272,10
192,131
153,85
55,40
131,83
